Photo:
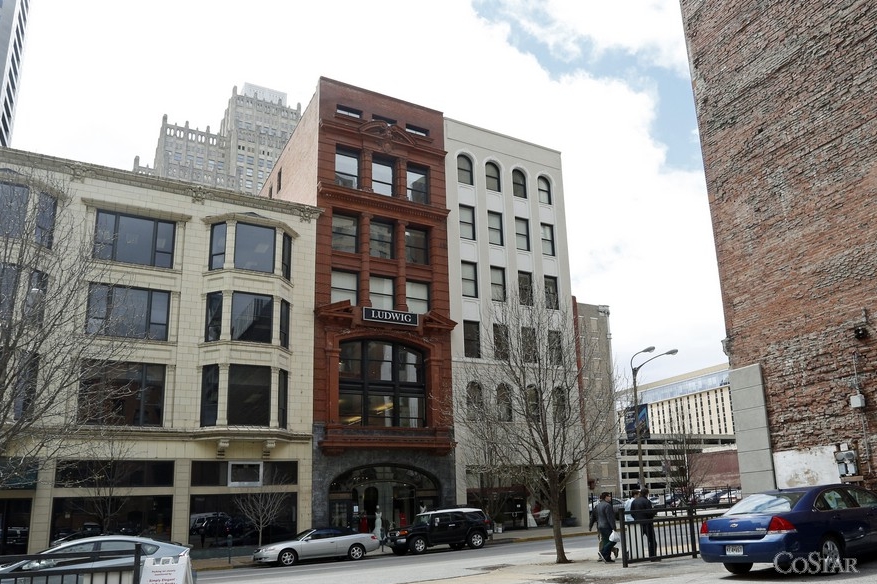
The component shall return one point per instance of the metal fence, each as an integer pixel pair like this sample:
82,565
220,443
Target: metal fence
675,532
72,568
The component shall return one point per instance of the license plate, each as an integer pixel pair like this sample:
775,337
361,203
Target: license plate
733,550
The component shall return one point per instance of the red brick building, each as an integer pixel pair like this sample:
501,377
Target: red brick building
382,371
785,102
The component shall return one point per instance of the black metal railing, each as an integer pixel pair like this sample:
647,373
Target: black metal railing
675,532
68,568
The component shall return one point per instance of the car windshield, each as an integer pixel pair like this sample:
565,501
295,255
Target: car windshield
303,534
421,519
766,503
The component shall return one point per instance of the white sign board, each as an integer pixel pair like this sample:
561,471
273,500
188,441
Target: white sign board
167,571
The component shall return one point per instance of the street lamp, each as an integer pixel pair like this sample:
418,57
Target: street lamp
637,427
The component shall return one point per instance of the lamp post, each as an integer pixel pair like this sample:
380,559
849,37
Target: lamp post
637,427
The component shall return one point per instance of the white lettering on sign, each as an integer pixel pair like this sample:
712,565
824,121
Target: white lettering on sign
392,316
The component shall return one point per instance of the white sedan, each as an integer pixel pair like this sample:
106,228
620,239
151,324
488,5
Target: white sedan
324,542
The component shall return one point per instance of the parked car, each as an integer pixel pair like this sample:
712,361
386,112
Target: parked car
456,527
779,526
324,542
20,571
197,520
616,504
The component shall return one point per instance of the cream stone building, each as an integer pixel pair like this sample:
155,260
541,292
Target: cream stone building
210,292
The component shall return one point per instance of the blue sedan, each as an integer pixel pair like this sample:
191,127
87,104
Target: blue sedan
796,528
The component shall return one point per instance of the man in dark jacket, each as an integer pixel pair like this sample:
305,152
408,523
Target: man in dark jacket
641,509
606,525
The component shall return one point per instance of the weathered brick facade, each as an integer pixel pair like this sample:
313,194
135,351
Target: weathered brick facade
785,102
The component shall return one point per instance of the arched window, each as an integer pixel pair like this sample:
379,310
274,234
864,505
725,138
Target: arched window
504,402
544,190
474,401
464,170
519,184
491,170
381,384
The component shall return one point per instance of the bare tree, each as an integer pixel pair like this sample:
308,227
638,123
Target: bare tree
684,466
523,413
263,508
104,474
47,262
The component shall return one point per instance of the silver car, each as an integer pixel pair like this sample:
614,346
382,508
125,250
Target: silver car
91,545
324,542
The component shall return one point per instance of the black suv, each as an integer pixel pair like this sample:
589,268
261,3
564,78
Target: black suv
456,527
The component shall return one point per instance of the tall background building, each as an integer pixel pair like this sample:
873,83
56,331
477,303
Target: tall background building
13,23
255,128
690,412
785,106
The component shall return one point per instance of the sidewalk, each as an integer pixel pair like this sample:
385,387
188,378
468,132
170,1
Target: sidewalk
508,536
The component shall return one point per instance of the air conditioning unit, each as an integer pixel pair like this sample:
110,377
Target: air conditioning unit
846,462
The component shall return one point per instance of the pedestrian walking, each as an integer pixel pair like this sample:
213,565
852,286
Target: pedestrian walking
606,525
644,513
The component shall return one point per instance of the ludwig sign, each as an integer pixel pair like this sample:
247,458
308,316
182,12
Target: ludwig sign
389,316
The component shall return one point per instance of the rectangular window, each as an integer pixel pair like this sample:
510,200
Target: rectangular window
284,324
122,394
345,233
381,292
217,246
470,279
34,301
417,297
9,279
529,346
13,203
346,169
416,130
286,258
547,239
251,317
213,326
382,177
551,299
416,246
522,234
282,398
417,184
127,312
467,222
494,228
525,288
47,208
497,284
501,345
249,395
555,348
134,240
381,243
348,111
472,339
254,248
209,395
345,286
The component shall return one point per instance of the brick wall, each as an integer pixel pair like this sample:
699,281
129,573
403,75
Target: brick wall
785,102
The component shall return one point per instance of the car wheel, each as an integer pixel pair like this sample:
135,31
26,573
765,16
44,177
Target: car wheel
356,552
475,540
400,551
287,558
417,545
738,568
831,551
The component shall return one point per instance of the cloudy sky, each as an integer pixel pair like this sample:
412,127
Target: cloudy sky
605,83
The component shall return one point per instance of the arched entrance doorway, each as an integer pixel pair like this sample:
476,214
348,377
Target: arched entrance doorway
361,496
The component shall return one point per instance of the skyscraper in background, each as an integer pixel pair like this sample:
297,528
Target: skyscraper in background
13,21
255,128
